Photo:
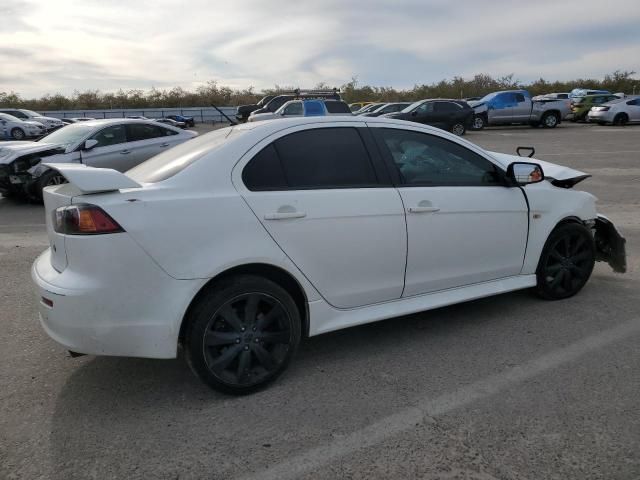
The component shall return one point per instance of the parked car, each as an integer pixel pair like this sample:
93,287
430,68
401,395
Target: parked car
581,92
12,127
580,106
616,112
305,108
387,108
251,237
516,107
68,121
276,102
49,123
243,111
358,105
369,108
187,120
552,96
172,122
118,144
455,116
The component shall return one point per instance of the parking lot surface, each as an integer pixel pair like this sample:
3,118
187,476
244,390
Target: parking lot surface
508,387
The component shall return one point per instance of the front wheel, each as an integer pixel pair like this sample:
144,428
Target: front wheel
479,122
48,179
17,134
458,129
242,334
566,262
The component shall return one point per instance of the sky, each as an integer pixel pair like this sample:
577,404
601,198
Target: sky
64,45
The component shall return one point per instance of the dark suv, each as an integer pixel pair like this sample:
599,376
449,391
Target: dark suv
452,115
243,111
276,102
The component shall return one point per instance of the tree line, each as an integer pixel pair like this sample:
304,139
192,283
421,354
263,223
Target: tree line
213,93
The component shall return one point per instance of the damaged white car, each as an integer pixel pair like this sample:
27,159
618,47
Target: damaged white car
119,144
238,243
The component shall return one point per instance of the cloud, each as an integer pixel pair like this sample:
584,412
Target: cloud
50,47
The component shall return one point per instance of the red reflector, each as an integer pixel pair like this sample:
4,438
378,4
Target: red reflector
47,302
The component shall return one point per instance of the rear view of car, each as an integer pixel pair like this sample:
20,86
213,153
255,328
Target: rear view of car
616,112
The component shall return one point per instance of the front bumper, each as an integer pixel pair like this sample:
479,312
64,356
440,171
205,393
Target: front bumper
610,244
130,308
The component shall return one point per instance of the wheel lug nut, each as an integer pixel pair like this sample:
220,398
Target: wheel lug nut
257,340
237,340
246,347
254,329
242,329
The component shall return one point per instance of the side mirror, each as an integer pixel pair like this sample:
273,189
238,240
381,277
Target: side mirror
89,144
524,173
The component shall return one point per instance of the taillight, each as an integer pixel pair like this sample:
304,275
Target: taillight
84,220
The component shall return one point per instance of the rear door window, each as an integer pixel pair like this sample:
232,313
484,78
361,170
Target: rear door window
337,107
321,158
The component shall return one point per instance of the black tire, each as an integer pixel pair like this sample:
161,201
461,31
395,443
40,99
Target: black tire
621,119
479,122
48,178
602,123
550,120
226,339
566,262
458,129
18,134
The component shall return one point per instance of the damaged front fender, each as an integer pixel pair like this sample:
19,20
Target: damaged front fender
610,245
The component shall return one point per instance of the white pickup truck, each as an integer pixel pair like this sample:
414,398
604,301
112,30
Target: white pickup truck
517,107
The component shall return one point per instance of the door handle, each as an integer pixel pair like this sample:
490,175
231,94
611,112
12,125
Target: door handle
124,152
424,206
423,209
284,215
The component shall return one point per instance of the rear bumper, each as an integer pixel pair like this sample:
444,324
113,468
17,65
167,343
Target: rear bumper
136,313
600,117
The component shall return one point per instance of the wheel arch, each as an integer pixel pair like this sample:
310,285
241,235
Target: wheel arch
271,272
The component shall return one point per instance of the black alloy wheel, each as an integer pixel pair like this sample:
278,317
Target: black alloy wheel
566,263
243,335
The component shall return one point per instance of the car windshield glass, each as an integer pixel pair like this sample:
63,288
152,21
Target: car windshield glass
31,113
488,97
173,161
9,118
413,106
68,135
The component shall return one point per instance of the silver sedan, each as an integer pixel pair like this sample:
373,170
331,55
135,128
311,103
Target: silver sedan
617,112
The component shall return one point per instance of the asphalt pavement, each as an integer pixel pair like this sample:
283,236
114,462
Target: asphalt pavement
508,387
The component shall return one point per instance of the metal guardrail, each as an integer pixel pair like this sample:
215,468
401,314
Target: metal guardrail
200,114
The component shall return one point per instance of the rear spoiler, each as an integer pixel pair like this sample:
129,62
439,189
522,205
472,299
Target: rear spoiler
93,180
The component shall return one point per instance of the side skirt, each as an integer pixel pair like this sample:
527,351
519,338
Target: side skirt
324,318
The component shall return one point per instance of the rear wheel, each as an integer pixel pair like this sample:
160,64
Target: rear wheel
242,334
621,119
458,129
550,120
17,134
566,262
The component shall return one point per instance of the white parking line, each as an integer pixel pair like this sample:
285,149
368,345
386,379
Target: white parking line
407,419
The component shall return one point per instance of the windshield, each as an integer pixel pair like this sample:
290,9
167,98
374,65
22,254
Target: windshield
488,97
68,135
31,113
9,118
413,106
173,161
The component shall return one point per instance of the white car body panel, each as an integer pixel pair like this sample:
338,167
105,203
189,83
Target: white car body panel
127,293
93,180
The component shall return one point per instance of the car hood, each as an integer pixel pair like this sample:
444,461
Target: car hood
551,171
11,150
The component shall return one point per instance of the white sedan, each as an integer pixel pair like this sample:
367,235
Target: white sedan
238,243
114,143
13,128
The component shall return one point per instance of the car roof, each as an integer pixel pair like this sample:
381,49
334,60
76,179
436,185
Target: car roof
112,121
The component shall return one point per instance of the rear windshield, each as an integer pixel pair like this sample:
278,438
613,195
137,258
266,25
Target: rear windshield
337,107
173,161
